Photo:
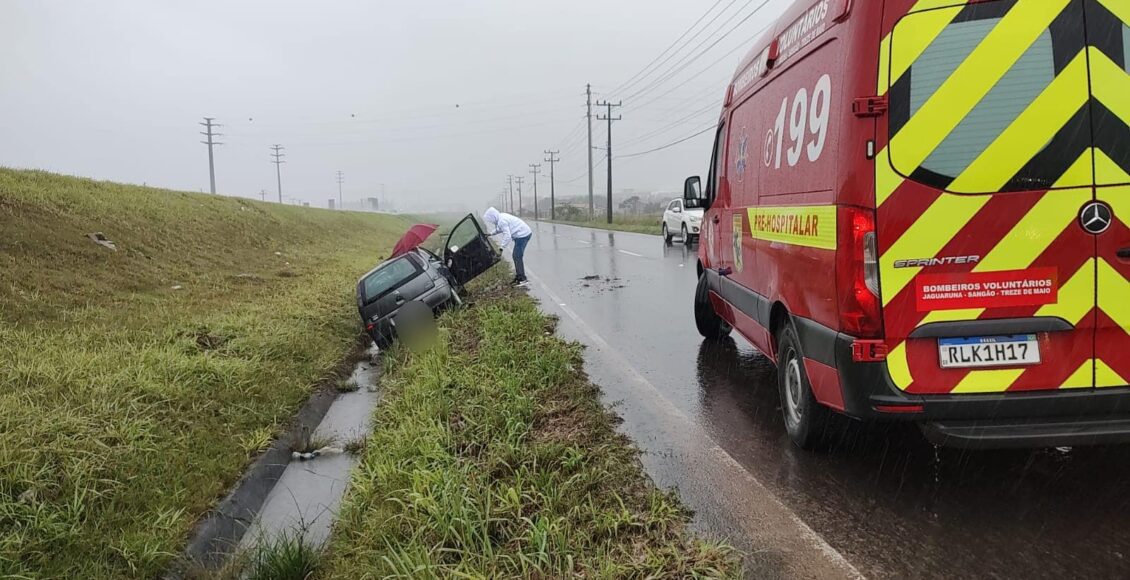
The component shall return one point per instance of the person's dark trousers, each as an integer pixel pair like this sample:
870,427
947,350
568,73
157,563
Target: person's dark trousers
519,253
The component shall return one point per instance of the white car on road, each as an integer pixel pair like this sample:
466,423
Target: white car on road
681,220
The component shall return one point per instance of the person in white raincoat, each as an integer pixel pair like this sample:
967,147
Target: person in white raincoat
510,228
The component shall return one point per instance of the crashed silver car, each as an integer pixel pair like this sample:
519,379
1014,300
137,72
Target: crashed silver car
420,275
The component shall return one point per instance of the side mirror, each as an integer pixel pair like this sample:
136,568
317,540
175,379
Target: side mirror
454,249
677,210
692,189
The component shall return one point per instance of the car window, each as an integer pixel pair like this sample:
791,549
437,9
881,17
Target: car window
466,232
717,162
671,206
388,277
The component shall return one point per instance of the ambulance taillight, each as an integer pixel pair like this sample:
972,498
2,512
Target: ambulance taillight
859,309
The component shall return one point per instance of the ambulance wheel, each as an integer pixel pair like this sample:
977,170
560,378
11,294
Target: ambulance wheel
709,324
805,420
666,235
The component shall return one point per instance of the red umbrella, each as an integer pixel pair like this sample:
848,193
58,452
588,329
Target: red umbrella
413,238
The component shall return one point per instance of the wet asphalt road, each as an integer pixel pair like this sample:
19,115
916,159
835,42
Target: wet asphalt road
883,503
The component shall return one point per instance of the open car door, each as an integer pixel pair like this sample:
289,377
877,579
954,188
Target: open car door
468,252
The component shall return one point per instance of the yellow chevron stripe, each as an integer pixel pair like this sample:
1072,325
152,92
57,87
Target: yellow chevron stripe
1114,295
1076,298
1023,244
993,168
887,180
1032,130
1107,377
972,80
1117,196
1119,8
1110,83
1082,378
915,36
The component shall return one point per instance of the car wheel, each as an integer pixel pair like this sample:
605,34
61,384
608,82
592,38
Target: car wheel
666,234
805,419
709,324
686,236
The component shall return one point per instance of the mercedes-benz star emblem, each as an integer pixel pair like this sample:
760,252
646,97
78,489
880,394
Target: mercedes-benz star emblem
1095,217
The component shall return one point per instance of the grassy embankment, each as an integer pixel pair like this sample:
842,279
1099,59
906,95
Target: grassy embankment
493,458
648,224
127,407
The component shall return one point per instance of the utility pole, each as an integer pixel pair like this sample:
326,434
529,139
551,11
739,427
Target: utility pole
340,180
263,194
207,132
278,155
519,180
608,117
588,103
551,160
510,180
535,168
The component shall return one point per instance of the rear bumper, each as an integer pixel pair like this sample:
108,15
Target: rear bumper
1028,433
1020,419
435,298
987,420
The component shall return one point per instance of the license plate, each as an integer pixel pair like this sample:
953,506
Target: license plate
989,351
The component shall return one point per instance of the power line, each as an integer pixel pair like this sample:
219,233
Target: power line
278,161
629,82
712,107
740,46
699,55
208,126
671,144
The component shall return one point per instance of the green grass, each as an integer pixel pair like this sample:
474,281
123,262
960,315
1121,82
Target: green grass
638,224
127,408
493,458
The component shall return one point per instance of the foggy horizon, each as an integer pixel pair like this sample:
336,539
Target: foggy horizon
439,104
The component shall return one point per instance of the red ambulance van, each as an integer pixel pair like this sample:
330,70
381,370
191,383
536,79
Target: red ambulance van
920,210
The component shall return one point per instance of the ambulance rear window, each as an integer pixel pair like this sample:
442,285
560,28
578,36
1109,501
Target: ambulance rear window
1004,102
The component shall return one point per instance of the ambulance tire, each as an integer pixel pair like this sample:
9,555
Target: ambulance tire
666,235
806,420
709,324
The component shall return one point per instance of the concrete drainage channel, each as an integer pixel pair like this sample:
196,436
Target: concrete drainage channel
287,493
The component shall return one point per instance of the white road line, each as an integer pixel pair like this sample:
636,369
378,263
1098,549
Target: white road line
815,540
584,241
630,253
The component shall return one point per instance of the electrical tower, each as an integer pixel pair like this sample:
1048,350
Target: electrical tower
510,180
535,168
551,159
519,180
278,161
340,180
207,132
608,117
263,194
588,104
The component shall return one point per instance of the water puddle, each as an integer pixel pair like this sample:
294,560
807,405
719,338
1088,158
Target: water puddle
306,498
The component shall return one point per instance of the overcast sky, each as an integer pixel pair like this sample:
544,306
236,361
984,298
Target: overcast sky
437,100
